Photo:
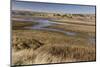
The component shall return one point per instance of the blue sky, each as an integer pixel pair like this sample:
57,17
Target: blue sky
51,7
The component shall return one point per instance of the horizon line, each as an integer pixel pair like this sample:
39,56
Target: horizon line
50,12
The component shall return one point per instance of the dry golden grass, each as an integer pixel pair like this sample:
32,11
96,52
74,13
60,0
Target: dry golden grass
23,57
20,43
39,47
56,53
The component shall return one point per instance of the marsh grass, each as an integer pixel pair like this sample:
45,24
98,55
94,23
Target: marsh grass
23,57
40,47
74,27
63,53
16,25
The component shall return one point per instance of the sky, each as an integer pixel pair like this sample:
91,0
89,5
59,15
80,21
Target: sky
52,7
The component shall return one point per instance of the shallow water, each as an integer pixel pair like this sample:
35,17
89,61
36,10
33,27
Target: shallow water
42,24
92,40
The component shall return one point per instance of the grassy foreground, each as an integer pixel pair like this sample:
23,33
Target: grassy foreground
39,47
